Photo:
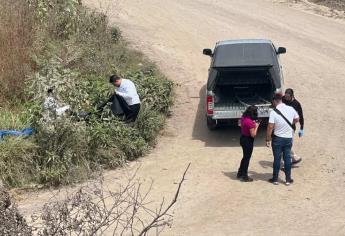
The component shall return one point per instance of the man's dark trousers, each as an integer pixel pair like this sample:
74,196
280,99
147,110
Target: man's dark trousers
132,112
281,147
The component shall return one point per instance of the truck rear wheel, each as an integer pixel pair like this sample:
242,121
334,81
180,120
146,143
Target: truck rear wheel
211,124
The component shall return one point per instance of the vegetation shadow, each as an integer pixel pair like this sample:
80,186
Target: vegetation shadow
224,136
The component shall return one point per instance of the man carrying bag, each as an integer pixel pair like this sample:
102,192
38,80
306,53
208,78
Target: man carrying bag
125,100
279,135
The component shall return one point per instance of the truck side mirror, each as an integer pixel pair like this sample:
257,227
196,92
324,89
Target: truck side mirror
281,50
207,52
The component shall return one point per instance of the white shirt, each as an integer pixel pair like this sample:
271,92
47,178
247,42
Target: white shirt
281,127
128,91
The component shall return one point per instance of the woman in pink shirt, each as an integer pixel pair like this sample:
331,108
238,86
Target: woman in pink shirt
249,128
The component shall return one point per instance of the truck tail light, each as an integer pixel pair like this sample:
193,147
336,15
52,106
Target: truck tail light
209,105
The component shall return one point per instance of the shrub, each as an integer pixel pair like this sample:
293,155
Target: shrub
149,123
62,152
16,37
155,91
12,223
116,135
75,51
17,166
13,119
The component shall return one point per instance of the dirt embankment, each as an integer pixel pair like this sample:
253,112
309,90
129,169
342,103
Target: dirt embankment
329,8
334,4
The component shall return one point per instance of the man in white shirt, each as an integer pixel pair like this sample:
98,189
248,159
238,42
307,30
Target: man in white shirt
281,119
130,99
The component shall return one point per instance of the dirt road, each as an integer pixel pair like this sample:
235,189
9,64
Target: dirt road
212,202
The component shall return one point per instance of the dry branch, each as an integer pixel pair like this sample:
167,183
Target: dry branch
94,211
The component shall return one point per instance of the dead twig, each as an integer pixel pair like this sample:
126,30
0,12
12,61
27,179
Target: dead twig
161,214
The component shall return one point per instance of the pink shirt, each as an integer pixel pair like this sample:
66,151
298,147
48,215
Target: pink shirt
246,125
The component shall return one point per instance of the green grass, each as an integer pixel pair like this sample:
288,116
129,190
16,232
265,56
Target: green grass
13,120
75,50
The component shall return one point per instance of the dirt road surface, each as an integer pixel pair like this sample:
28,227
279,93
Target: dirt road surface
212,202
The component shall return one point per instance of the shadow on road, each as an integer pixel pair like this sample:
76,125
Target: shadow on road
269,164
256,176
266,164
226,136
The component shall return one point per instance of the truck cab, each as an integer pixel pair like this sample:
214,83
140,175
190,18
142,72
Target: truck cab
242,73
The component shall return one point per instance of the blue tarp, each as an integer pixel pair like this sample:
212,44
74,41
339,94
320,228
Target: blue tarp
24,132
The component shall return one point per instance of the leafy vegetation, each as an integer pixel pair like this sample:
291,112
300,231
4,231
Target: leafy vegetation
72,49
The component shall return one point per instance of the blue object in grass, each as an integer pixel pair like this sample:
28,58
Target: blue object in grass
24,132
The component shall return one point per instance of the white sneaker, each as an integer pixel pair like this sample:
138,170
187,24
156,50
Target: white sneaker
273,182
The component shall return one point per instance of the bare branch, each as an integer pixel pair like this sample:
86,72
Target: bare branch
92,210
156,219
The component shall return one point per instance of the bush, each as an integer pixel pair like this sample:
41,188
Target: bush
62,153
17,165
12,223
117,136
149,123
155,91
13,119
75,52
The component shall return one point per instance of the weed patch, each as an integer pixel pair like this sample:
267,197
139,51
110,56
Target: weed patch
74,51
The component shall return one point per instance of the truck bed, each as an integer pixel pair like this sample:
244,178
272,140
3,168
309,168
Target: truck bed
233,108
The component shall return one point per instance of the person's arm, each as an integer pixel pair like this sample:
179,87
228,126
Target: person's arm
124,95
253,131
295,120
270,127
300,114
128,92
301,119
103,104
269,131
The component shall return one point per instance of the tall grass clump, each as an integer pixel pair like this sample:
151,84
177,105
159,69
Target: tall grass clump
73,50
17,161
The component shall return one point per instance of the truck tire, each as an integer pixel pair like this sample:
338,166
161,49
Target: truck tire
211,124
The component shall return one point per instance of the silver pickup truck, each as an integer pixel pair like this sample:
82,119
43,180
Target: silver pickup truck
242,73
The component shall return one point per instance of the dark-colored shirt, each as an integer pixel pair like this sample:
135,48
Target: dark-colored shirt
297,106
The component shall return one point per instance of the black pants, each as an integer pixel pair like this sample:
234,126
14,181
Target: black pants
247,144
119,107
132,113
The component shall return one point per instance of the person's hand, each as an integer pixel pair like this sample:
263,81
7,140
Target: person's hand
101,107
300,133
268,143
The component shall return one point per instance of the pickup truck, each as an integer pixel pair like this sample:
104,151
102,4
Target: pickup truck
242,73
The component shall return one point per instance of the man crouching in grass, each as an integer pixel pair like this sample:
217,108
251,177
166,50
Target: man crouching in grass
128,97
